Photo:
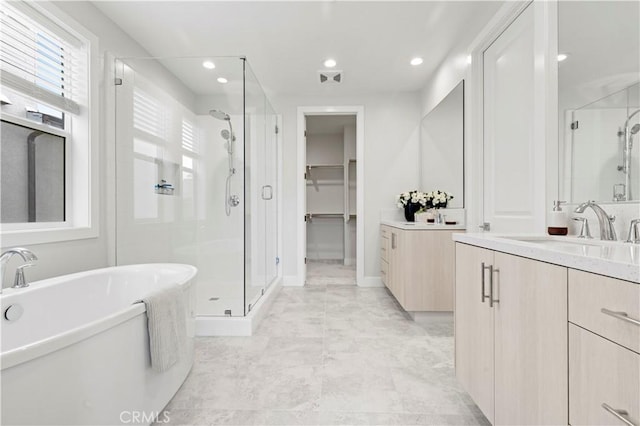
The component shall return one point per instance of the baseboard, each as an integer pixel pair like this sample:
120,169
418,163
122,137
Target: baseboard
292,281
431,317
370,282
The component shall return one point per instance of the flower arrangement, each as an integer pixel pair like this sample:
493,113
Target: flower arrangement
417,201
412,197
438,199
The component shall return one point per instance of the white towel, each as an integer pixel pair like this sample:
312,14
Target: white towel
167,326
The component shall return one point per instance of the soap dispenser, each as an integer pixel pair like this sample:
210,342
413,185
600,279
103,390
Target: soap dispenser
558,221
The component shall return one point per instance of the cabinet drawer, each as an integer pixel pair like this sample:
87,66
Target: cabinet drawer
384,232
601,372
384,248
589,294
384,271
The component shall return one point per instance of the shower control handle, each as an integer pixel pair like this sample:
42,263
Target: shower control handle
234,200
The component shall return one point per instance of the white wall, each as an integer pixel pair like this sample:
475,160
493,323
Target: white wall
391,131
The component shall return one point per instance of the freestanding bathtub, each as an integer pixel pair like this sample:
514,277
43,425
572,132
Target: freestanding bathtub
79,353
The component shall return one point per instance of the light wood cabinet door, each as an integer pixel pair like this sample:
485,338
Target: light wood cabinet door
474,351
428,270
531,377
601,372
395,273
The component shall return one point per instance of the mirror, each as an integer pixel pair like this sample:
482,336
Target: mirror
599,101
442,147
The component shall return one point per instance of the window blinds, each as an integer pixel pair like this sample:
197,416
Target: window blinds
41,59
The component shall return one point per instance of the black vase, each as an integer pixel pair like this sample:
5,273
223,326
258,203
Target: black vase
410,211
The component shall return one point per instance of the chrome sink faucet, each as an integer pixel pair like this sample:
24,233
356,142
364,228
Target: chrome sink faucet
607,231
634,232
27,255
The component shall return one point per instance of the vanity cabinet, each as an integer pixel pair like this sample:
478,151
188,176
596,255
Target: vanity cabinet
604,346
474,345
417,266
511,336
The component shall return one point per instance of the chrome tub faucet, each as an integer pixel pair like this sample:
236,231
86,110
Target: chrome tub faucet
27,256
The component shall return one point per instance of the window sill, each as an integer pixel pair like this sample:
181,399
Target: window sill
26,237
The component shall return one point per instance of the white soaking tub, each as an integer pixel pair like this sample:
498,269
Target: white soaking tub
79,352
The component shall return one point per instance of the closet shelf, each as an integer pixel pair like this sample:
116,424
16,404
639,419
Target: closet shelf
310,216
325,166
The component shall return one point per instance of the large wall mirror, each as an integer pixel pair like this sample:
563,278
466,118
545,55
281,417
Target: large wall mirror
442,147
599,100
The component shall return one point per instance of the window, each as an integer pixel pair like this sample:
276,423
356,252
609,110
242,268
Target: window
48,181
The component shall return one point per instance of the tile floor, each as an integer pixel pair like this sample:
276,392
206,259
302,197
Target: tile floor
328,355
330,272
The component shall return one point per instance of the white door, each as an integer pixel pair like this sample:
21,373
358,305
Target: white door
513,188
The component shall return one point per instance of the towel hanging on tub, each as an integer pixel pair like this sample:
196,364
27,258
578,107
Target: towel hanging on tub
166,324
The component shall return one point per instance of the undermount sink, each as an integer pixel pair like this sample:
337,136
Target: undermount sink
553,241
612,250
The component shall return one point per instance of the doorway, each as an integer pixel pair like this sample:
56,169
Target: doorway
330,238
331,191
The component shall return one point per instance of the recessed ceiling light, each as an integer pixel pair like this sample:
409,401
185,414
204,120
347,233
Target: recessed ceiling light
208,65
416,61
330,63
222,80
562,57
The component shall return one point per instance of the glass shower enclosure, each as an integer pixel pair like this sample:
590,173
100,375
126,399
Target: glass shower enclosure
196,170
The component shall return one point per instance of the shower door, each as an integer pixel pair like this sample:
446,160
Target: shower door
260,176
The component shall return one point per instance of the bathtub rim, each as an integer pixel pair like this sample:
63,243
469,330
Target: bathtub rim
54,343
48,282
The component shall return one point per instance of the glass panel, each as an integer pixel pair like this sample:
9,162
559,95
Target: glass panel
271,182
33,175
179,156
255,173
604,166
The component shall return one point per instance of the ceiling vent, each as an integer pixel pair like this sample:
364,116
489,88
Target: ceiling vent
328,77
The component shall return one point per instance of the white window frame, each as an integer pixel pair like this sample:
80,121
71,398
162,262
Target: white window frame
81,155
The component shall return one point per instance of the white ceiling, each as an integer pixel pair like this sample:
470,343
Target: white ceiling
286,42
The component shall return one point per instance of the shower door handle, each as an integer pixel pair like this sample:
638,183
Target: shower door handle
267,192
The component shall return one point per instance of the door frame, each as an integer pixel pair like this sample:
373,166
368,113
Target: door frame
304,111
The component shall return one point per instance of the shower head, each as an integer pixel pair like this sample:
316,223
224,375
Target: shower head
220,115
225,134
635,129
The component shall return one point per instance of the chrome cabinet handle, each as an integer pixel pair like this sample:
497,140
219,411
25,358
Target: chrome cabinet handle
619,414
620,315
482,269
393,240
491,299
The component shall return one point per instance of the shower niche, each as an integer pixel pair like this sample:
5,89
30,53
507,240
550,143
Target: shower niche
214,148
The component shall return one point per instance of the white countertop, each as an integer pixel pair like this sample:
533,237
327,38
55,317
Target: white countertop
611,258
421,225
